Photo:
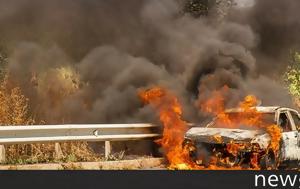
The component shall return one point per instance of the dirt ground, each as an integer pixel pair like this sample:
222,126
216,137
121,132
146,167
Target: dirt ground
136,164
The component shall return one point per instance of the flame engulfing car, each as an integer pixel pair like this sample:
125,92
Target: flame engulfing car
247,145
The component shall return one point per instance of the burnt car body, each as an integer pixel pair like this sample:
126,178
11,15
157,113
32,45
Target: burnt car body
204,141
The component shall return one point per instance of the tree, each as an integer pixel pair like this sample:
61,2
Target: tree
3,63
292,75
196,7
13,106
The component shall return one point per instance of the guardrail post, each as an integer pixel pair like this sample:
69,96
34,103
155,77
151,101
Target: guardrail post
58,151
2,154
107,149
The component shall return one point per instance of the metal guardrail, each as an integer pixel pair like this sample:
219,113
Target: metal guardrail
83,132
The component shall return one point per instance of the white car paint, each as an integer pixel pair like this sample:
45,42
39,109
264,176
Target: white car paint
290,141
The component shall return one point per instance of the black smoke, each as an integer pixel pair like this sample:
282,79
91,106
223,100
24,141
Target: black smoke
113,48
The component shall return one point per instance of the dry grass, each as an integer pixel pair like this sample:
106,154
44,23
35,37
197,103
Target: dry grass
78,151
45,153
14,110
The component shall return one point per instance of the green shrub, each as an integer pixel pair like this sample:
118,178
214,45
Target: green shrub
292,75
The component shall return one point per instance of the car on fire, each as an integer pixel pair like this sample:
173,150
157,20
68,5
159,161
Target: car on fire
212,140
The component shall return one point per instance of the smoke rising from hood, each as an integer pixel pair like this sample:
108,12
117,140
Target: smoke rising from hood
84,61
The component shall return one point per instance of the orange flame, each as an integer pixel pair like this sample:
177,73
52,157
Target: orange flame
170,114
248,115
275,133
234,148
174,127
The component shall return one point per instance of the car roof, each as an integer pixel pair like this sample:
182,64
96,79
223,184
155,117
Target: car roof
262,109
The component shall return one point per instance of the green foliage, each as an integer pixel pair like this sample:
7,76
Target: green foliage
196,7
292,75
71,158
3,62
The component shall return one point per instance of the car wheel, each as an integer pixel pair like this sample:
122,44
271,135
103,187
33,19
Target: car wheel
268,161
189,145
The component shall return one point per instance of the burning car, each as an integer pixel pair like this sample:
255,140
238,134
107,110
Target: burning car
233,142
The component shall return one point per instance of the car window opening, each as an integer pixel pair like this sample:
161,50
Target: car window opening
284,122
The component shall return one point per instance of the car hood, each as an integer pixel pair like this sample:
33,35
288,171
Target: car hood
225,135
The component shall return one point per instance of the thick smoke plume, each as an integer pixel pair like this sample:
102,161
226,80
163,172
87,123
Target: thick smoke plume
276,25
83,61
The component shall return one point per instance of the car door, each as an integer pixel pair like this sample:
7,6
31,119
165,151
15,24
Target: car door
296,119
290,149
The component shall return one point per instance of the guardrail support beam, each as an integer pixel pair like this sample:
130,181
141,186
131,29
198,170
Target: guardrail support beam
58,151
107,149
2,154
